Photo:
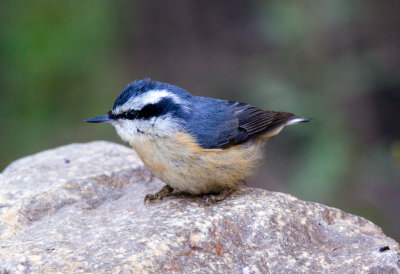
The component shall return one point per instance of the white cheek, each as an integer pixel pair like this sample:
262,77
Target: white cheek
166,126
152,121
122,131
129,130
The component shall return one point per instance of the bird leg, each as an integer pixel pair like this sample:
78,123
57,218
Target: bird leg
164,192
214,198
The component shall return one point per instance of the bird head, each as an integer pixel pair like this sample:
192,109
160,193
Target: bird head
147,108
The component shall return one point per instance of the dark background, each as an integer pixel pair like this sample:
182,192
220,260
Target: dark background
334,61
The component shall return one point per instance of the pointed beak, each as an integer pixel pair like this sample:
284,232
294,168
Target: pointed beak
101,119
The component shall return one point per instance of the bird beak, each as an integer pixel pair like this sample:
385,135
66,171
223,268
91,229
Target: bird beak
101,119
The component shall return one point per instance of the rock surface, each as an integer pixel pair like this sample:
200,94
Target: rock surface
79,208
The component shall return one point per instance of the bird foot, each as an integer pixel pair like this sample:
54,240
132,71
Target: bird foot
164,192
211,199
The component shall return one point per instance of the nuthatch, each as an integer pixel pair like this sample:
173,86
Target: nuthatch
197,145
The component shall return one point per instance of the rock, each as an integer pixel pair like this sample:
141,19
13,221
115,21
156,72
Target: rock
79,208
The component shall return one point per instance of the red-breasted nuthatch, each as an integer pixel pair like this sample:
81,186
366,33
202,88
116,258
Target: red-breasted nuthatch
193,144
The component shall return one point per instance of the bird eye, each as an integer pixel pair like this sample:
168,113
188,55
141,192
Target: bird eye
131,114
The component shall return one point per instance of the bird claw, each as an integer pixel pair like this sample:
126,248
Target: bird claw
148,197
164,192
211,199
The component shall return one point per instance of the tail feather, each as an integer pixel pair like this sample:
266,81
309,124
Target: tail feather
291,121
295,120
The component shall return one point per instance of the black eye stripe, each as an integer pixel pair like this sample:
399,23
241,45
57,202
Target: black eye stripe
164,106
111,115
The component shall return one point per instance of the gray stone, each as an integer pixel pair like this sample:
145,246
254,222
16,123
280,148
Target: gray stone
79,208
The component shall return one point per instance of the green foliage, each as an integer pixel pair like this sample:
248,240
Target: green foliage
53,61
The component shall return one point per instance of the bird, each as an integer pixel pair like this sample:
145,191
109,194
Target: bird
197,145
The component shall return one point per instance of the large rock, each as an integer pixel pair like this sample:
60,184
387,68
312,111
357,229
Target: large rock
79,208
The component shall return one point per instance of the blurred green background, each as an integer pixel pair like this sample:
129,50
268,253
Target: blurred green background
337,62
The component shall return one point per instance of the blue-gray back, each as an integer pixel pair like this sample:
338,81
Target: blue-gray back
219,123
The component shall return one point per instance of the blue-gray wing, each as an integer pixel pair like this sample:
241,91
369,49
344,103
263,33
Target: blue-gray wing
219,124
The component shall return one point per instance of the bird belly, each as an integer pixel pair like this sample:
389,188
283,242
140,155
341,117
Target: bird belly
183,165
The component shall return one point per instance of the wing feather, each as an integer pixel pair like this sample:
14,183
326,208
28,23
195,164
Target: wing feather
253,121
220,124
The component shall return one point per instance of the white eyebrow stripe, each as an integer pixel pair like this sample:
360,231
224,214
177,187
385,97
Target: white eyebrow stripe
154,96
150,97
